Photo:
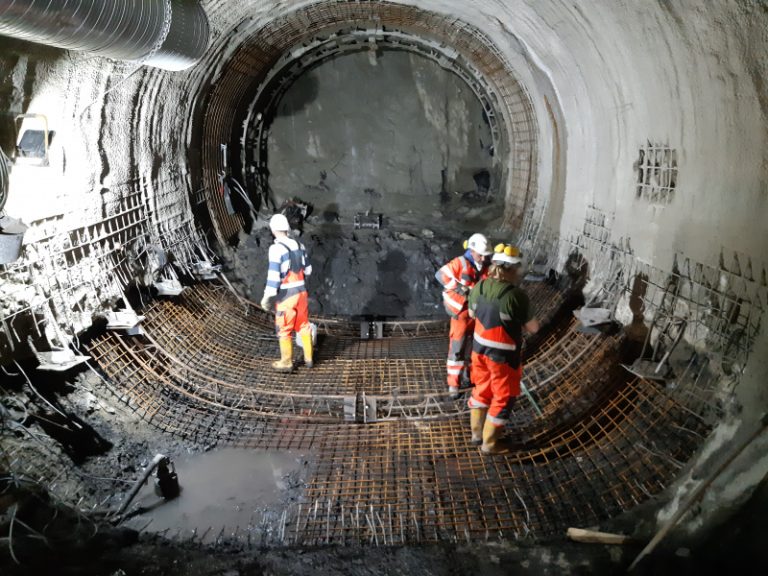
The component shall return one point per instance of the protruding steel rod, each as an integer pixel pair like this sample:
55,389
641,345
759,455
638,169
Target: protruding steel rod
698,493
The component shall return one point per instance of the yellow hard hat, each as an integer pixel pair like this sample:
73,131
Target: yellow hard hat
506,254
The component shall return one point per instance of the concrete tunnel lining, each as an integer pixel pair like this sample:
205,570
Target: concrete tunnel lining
596,100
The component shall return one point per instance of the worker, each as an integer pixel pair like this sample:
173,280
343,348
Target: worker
288,267
458,277
502,312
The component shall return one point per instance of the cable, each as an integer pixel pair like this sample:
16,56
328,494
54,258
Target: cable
4,180
29,382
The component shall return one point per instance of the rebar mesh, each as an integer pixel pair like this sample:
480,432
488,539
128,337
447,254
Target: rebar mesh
604,442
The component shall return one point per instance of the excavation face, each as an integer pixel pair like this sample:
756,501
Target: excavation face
389,132
396,146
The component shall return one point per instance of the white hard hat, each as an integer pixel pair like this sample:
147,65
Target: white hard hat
479,244
279,223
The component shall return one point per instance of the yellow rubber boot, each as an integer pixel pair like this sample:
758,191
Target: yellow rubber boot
285,364
476,421
492,443
306,343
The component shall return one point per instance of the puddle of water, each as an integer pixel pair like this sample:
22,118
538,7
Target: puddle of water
223,489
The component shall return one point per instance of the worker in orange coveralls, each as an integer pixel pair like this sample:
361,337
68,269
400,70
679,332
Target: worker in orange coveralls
458,277
502,312
288,267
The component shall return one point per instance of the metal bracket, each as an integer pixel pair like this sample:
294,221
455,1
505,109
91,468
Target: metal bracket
350,409
368,220
126,320
204,270
29,138
168,287
371,330
369,409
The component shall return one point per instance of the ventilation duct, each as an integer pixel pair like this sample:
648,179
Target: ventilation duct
167,34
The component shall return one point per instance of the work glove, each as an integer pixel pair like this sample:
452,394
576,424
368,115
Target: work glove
266,302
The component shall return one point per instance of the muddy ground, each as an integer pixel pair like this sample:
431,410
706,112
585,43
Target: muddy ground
63,528
68,526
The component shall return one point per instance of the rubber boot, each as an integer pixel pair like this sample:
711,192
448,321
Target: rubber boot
306,343
476,421
464,381
285,364
492,443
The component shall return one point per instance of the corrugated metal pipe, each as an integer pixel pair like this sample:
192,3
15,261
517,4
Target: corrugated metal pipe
167,34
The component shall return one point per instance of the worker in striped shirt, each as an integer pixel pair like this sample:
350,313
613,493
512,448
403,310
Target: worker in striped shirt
288,267
458,277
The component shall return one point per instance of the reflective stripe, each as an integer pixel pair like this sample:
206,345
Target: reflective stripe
288,285
455,362
273,275
505,316
496,421
493,344
452,304
454,371
449,274
472,403
445,277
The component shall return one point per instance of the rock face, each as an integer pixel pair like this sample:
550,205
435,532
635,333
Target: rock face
382,272
408,131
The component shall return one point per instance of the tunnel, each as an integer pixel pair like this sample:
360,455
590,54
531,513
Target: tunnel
145,147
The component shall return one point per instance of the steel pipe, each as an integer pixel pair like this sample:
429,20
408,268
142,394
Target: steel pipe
166,34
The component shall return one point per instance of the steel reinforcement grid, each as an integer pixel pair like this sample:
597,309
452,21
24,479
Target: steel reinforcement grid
391,458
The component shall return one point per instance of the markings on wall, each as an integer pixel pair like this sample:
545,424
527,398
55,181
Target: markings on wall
656,173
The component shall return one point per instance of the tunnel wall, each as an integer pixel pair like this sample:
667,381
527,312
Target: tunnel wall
699,97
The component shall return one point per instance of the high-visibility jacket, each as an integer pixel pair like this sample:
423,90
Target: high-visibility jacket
501,310
458,277
288,267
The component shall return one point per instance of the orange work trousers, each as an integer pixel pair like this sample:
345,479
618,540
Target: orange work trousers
497,386
292,315
459,346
